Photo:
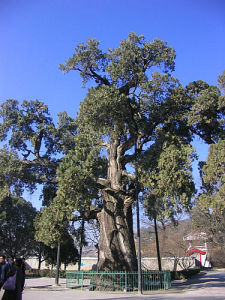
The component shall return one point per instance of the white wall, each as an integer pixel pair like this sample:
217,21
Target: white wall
89,263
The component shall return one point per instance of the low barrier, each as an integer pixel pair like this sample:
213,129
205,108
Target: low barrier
118,281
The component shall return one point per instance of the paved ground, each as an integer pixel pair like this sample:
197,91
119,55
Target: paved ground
209,285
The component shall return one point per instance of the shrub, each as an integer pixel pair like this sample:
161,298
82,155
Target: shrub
45,273
217,258
184,274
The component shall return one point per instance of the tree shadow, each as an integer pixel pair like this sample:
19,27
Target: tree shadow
202,280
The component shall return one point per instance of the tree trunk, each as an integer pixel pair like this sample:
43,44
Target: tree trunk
157,245
116,243
39,257
81,244
58,265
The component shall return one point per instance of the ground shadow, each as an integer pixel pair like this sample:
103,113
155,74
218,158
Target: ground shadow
203,280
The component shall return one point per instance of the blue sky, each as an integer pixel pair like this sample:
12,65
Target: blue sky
37,35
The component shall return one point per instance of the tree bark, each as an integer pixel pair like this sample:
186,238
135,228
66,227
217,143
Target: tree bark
81,244
157,245
116,244
39,257
58,265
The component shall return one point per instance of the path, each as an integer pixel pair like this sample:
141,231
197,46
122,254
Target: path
209,285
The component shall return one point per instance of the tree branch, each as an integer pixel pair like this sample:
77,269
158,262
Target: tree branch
41,179
37,146
100,78
129,175
126,145
104,144
103,183
41,162
88,214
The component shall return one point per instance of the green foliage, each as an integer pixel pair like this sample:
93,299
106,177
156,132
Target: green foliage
209,215
221,81
68,253
17,230
213,171
86,57
134,100
135,56
103,108
121,65
131,101
184,274
36,147
51,273
65,133
77,188
16,214
30,123
14,177
207,113
126,101
213,223
29,131
168,184
50,226
113,109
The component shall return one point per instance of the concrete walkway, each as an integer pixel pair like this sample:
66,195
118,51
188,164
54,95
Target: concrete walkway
206,286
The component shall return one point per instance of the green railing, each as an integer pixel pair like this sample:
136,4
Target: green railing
118,281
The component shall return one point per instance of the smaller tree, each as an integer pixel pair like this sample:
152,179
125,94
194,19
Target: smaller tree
14,177
213,180
68,253
79,235
17,230
167,187
221,83
16,214
209,215
52,229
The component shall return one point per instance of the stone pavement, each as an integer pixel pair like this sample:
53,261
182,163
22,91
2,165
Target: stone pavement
209,285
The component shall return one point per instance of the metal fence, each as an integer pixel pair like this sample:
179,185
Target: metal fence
118,281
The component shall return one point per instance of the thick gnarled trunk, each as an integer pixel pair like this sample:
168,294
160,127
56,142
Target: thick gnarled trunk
116,243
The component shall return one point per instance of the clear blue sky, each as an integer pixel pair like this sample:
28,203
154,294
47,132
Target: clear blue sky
37,35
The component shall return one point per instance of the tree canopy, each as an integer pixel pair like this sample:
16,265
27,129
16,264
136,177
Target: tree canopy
213,177
135,110
168,186
68,253
17,230
134,100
